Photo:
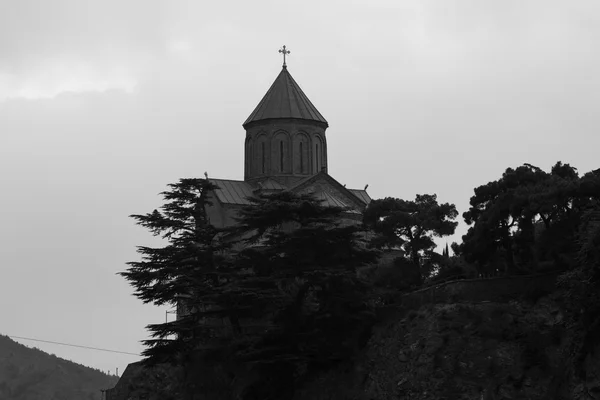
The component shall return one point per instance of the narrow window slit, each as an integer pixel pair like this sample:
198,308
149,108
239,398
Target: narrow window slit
301,160
281,156
262,145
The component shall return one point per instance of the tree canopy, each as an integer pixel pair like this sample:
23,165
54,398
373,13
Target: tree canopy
410,226
527,217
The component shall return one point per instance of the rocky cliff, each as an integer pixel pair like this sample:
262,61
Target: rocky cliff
520,349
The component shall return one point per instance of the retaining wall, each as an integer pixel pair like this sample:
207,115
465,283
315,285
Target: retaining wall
502,289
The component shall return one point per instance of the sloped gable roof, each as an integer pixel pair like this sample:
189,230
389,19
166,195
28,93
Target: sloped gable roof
358,195
232,192
271,184
237,192
331,201
361,194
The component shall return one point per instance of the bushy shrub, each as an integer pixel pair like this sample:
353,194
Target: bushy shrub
401,274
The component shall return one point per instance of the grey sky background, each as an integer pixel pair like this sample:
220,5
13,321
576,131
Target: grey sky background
103,103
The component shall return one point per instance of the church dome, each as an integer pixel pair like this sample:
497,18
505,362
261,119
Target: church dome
285,100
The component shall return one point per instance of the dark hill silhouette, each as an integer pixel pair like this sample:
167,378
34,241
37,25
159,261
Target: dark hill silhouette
31,374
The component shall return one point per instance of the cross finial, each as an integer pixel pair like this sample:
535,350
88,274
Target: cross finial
284,52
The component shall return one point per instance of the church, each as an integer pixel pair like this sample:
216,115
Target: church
285,149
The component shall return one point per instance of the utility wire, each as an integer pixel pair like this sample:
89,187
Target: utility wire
74,345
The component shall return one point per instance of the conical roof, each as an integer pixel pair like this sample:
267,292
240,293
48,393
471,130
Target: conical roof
285,99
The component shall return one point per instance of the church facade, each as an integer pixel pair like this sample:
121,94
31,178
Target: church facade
285,149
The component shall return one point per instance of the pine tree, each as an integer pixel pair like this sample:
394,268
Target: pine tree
188,272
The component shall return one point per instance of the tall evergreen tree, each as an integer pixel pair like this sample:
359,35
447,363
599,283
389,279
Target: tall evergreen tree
446,253
187,272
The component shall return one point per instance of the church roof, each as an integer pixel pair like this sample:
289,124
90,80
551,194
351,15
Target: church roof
330,201
361,194
232,192
285,99
237,192
271,184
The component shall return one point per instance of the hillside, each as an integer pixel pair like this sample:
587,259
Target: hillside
31,374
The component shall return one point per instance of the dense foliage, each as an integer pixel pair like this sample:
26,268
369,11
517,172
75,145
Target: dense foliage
409,227
159,382
280,294
528,220
582,289
283,280
303,256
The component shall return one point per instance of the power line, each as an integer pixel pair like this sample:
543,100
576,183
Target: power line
74,345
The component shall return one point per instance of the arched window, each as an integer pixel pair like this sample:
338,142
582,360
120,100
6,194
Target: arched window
281,156
280,162
260,155
317,155
301,159
248,160
301,156
263,156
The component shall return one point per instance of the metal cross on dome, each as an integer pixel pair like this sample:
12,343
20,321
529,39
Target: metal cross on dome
284,52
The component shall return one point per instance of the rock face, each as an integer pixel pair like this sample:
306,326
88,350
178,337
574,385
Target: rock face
514,350
470,351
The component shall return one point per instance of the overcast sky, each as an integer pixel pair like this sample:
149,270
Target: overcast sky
103,103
